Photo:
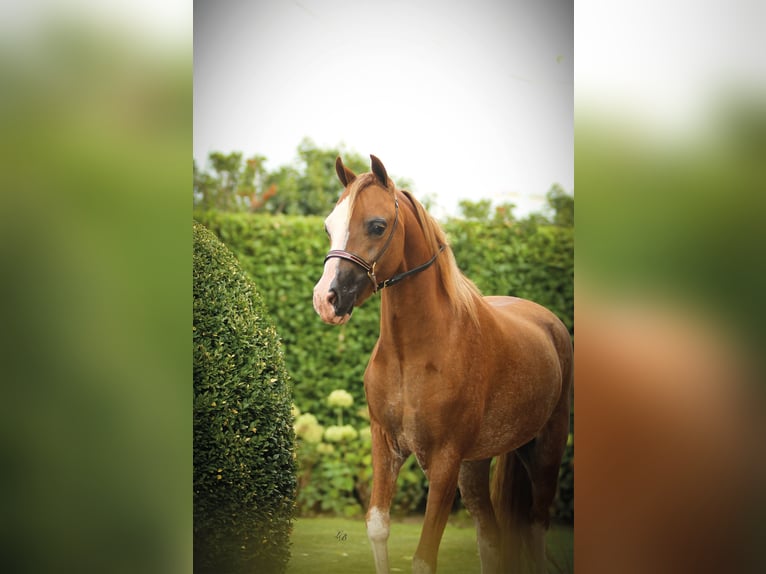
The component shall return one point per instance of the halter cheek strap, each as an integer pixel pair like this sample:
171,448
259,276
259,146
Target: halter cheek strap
370,267
361,261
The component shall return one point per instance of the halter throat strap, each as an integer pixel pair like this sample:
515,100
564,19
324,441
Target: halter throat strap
396,278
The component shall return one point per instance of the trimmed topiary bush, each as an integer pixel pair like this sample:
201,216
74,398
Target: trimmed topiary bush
244,468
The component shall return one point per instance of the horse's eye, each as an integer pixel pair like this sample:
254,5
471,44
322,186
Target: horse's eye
376,227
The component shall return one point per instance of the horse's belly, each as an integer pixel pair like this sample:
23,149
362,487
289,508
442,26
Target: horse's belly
497,441
514,416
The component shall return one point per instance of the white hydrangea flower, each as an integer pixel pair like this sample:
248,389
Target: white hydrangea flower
349,432
314,434
340,398
303,421
325,448
333,433
336,433
308,428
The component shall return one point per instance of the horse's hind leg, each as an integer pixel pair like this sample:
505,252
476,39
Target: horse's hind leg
542,459
474,490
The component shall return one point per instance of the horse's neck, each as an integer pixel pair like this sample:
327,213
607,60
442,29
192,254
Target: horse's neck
415,310
418,307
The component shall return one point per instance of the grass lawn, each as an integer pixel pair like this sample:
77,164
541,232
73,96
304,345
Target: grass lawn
338,545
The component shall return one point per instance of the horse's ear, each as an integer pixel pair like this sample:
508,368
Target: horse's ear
379,170
345,175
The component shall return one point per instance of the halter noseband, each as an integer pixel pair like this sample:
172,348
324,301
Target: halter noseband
370,267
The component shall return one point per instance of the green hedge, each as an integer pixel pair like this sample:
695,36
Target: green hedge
244,468
285,254
528,261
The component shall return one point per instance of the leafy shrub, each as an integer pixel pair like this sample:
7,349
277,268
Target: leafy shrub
285,255
244,470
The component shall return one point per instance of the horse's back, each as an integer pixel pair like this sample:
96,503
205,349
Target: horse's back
524,316
518,309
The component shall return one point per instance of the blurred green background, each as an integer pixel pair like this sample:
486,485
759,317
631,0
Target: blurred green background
681,217
95,125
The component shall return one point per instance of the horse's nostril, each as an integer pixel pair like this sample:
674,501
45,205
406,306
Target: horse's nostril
332,296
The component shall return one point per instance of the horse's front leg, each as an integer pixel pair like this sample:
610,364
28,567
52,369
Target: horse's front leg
386,462
442,472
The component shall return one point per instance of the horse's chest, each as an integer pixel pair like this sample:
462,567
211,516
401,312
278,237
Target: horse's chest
409,432
406,405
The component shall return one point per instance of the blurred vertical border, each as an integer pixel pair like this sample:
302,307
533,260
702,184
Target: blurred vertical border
671,277
95,128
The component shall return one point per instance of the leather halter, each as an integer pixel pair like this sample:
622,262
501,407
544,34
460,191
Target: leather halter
370,267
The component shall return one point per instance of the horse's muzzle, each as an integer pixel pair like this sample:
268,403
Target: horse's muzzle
335,302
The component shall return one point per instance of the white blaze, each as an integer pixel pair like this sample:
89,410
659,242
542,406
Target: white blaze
337,226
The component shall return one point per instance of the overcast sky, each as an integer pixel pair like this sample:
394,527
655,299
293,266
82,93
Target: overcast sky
465,99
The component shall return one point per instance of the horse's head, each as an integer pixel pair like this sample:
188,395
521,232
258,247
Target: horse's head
366,242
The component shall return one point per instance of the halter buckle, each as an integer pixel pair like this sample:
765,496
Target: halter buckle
371,275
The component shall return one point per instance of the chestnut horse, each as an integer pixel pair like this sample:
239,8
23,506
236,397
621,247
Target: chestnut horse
455,378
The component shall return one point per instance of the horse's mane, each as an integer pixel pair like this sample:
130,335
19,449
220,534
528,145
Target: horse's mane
461,292
463,295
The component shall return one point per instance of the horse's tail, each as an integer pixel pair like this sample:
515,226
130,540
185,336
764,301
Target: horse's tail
511,492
